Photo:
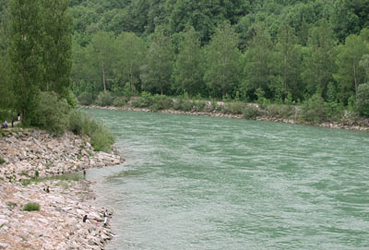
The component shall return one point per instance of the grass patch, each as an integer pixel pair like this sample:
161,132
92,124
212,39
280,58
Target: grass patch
31,206
64,177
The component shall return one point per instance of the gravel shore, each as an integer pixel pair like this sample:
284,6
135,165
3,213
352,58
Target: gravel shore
58,223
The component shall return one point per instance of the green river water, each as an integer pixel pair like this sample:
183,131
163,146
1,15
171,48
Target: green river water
211,183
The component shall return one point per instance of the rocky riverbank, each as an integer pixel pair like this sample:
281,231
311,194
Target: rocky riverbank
58,223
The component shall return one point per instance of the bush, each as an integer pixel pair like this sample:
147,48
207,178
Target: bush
313,109
233,108
362,102
250,112
120,101
86,98
52,113
182,104
280,111
101,138
31,206
71,99
76,119
160,102
2,160
104,99
199,106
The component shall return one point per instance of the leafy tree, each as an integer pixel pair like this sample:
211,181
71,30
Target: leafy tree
362,101
57,46
156,74
349,17
260,65
350,74
26,54
289,59
101,54
188,74
319,64
130,54
223,61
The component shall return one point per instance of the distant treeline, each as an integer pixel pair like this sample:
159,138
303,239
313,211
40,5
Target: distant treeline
276,49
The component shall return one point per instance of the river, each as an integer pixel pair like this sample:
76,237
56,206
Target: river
213,183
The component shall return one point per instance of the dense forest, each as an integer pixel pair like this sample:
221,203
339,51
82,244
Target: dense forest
278,51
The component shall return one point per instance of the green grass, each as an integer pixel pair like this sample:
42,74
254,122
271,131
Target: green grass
64,177
31,206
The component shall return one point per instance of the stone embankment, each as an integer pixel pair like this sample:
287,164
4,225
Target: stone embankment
58,224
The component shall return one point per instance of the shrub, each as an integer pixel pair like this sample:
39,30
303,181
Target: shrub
31,206
183,104
104,99
71,99
76,122
160,102
199,105
86,98
120,101
101,138
52,113
2,160
362,101
280,111
233,108
250,112
313,109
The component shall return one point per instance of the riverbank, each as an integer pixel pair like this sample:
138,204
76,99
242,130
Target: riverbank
346,123
29,160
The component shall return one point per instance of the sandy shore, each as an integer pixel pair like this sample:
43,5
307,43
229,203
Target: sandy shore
58,223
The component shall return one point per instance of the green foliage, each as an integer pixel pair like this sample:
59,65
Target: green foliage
120,101
52,113
86,98
160,102
31,206
234,108
71,99
313,109
37,174
104,99
2,161
280,111
101,138
76,120
222,61
250,112
362,101
183,104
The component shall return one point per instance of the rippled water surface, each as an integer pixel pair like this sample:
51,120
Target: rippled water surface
209,183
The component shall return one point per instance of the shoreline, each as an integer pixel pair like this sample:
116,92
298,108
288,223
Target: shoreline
347,124
58,223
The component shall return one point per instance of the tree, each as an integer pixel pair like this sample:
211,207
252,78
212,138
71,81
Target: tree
319,64
26,55
187,73
131,52
156,74
362,101
259,67
289,60
57,47
100,55
6,93
222,61
350,74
